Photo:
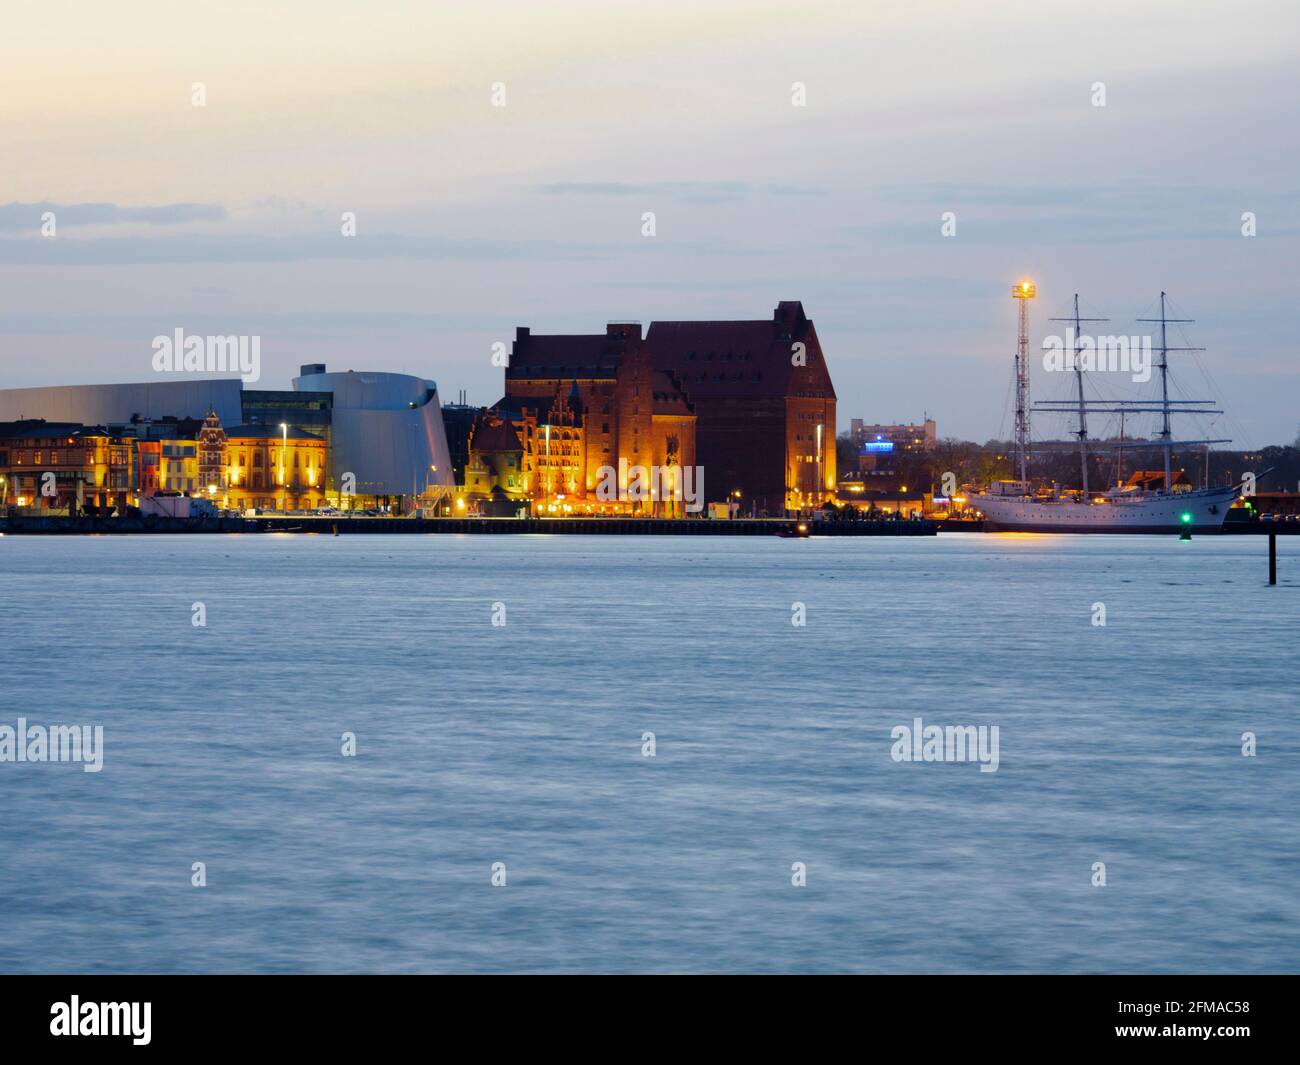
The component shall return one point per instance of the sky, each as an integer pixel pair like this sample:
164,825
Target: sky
472,219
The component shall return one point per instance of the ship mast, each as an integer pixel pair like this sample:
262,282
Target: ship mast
1124,407
1077,322
1023,293
1166,435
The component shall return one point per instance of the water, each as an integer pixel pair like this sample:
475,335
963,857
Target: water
522,744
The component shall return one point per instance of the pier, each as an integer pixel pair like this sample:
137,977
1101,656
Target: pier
343,525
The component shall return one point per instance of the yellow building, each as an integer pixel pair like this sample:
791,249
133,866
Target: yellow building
178,467
274,468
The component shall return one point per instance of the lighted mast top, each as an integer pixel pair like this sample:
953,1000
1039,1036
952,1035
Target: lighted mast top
1024,291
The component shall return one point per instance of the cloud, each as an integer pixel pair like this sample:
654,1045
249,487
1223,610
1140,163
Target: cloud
690,191
22,217
205,248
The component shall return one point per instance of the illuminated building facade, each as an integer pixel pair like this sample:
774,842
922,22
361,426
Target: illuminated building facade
178,469
880,445
212,456
273,468
85,466
383,429
750,401
584,403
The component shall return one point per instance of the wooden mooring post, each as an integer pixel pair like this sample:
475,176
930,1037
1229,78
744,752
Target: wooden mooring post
1272,557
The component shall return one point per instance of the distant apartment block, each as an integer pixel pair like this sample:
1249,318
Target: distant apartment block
919,437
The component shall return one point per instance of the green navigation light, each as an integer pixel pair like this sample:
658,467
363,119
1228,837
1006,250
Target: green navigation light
1187,517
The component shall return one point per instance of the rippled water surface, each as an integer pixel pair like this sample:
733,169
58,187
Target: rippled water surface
522,744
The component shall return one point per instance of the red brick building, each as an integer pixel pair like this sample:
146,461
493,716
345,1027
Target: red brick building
749,401
764,404
586,401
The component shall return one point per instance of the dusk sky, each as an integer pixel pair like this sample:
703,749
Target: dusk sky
473,219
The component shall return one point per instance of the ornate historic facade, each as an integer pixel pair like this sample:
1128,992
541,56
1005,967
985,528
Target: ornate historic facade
751,402
212,455
587,404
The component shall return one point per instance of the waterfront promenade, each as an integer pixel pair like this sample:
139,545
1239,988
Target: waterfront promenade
340,525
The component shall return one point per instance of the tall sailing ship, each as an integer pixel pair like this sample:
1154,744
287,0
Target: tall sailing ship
1017,506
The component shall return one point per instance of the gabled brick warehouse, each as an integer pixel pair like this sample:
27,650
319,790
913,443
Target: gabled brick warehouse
759,400
750,401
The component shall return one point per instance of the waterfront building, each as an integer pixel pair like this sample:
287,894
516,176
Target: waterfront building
496,481
856,489
921,436
750,401
85,466
122,404
178,469
382,433
212,455
149,463
273,468
386,436
585,403
764,403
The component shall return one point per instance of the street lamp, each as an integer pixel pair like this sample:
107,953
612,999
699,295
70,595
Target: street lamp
818,497
550,487
284,443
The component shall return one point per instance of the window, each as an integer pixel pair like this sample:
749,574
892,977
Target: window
37,460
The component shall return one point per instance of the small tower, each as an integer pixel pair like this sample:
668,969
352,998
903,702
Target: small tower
212,456
1023,293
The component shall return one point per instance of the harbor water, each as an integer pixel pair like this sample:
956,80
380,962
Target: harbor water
501,692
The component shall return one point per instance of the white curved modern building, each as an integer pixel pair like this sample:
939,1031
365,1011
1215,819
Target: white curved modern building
117,404
386,430
383,428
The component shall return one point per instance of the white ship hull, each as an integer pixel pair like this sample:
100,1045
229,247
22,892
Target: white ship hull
1202,511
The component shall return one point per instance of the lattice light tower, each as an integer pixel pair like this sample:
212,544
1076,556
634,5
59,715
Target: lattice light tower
1024,291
